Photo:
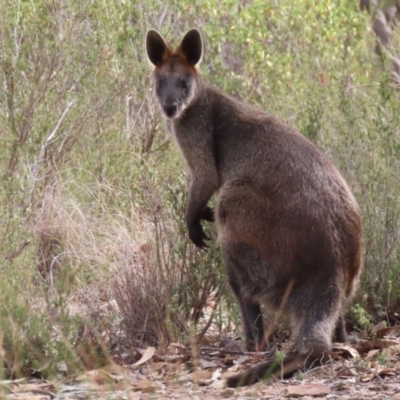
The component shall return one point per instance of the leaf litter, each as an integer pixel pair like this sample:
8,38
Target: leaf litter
368,369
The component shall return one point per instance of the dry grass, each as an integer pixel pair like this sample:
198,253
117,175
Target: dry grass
122,270
142,297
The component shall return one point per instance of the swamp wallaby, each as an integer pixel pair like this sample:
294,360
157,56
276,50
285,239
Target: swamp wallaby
288,225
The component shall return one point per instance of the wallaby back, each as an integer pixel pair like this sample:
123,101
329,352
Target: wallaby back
288,225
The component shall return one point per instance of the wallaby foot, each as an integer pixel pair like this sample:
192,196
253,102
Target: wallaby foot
281,370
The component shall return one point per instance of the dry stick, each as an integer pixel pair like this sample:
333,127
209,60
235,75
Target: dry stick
40,391
367,370
243,353
208,324
52,134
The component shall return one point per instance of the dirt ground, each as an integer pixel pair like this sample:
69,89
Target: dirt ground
368,369
311,387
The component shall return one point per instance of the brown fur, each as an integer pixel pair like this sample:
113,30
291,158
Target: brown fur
285,216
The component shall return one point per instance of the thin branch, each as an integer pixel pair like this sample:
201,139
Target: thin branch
208,324
243,353
52,134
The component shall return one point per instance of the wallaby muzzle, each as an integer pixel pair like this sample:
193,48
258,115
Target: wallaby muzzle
170,109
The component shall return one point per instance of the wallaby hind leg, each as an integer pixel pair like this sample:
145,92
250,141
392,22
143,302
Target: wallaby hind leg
250,310
314,319
316,314
240,216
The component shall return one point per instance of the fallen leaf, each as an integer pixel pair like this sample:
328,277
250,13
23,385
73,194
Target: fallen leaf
200,375
155,370
371,354
32,387
346,350
343,386
387,372
392,331
86,376
97,376
145,386
122,385
396,366
149,353
270,393
368,345
367,377
178,345
374,365
378,327
149,389
115,369
307,390
345,373
205,364
143,383
228,392
391,351
106,377
155,367
175,358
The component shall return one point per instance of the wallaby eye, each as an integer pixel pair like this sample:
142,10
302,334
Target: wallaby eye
160,83
184,85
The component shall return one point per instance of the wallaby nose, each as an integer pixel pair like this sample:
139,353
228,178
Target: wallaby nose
170,109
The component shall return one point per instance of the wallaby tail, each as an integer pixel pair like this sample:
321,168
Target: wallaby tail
268,370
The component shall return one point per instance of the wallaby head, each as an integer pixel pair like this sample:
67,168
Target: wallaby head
175,74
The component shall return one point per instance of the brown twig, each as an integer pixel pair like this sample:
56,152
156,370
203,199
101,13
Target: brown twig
243,353
208,324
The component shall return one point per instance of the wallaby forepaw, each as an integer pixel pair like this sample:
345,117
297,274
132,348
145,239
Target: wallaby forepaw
198,236
208,214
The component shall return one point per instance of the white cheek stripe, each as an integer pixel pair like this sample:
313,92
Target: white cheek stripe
185,103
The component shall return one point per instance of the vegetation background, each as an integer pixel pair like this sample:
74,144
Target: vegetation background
94,253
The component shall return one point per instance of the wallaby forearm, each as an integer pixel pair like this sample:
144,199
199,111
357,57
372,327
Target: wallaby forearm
201,188
197,149
200,192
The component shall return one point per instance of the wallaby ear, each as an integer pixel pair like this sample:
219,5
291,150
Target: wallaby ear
192,47
157,49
